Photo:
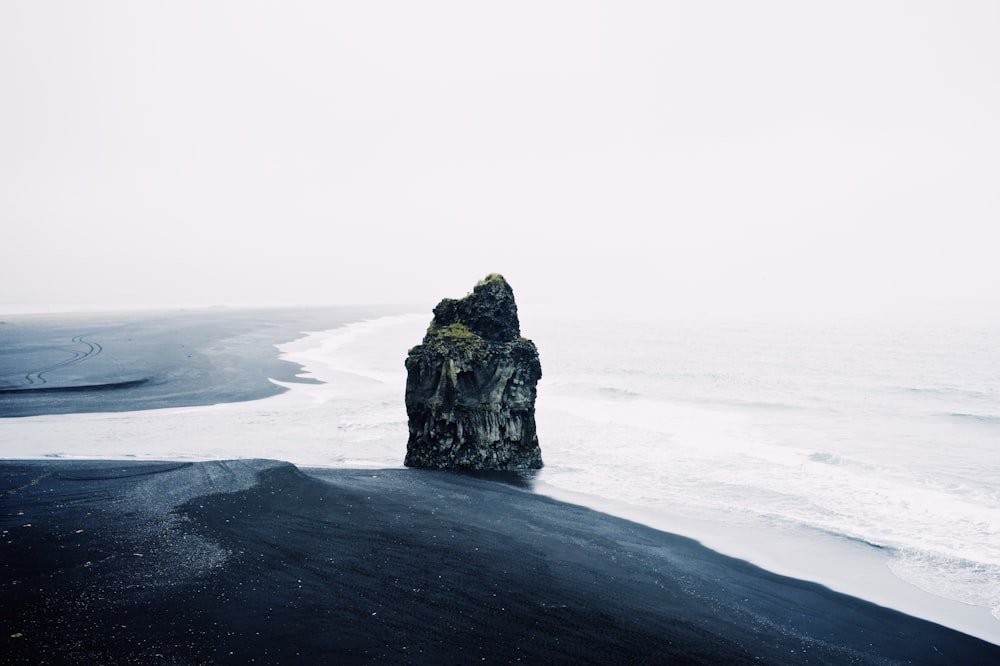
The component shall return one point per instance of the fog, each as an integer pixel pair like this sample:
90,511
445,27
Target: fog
690,157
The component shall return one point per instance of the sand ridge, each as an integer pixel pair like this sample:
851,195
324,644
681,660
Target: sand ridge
228,561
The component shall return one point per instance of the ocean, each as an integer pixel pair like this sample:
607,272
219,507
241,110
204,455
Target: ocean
863,457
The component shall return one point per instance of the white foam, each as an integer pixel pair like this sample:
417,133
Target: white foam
799,491
354,419
719,467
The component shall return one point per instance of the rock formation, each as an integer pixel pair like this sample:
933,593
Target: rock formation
470,386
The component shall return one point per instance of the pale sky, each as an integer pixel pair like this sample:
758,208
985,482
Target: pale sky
686,156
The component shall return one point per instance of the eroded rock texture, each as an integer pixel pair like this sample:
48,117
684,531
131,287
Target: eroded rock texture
470,386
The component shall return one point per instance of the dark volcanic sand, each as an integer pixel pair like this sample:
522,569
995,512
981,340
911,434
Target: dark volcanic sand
107,562
123,361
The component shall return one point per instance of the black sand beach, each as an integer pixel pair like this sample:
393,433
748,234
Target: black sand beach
124,361
259,562
255,561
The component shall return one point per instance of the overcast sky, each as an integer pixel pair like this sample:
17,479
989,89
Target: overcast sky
689,156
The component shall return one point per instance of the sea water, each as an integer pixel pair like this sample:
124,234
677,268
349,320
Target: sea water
884,436
864,457
826,441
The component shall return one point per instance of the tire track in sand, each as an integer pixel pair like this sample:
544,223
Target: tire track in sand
37,377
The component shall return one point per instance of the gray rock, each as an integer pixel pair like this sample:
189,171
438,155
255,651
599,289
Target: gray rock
470,386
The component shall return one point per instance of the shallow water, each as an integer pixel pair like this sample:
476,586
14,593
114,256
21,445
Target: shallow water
885,436
864,458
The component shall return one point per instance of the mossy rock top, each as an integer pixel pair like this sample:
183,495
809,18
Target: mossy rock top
489,313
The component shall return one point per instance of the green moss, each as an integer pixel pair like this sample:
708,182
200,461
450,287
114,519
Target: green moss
457,330
456,335
492,277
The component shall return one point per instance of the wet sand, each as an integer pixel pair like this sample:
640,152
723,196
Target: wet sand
124,361
258,561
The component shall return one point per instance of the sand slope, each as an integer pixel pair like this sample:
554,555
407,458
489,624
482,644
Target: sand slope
240,561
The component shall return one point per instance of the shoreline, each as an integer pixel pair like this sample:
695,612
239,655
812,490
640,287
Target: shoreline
806,556
140,360
860,573
400,565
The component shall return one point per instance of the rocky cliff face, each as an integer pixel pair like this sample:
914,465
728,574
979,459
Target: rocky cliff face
470,386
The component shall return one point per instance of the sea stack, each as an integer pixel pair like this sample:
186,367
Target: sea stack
470,386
